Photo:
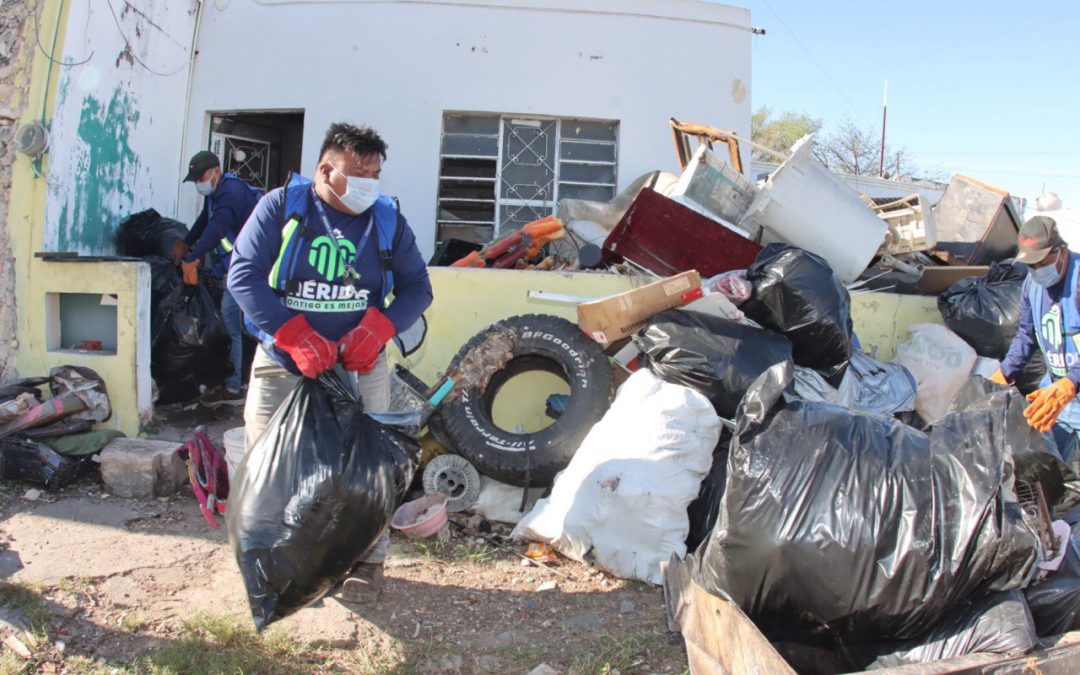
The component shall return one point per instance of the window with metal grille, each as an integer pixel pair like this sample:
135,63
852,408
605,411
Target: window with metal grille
500,171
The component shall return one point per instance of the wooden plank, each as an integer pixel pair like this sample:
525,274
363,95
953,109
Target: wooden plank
936,280
719,637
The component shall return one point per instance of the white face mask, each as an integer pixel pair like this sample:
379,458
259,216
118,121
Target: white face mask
360,193
1048,275
205,189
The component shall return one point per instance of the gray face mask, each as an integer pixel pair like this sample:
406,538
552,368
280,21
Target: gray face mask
1047,275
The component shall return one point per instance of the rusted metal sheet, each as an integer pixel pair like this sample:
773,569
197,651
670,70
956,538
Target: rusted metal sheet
666,238
976,223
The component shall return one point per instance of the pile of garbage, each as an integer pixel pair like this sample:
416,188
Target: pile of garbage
890,512
189,345
51,441
710,218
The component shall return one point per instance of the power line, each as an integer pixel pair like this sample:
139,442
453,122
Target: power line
851,106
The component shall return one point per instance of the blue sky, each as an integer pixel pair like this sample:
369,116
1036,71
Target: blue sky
989,89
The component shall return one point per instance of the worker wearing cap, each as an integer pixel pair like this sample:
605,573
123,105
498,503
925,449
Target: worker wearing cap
1049,317
227,203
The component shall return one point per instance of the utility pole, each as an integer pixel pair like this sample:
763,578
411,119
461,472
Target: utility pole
884,111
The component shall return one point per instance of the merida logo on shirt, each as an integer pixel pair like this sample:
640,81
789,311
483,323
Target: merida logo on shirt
317,296
327,259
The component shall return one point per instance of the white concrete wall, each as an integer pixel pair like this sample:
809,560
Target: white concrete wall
116,128
399,65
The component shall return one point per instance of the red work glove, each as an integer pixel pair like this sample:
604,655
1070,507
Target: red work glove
190,270
1048,402
361,346
312,353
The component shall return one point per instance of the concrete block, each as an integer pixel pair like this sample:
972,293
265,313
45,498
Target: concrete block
141,468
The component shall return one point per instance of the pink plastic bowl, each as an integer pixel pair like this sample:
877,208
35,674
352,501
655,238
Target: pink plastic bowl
406,514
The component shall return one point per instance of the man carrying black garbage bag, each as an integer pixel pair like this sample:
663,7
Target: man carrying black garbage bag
227,203
1049,317
327,272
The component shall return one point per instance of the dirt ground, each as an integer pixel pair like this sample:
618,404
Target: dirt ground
112,586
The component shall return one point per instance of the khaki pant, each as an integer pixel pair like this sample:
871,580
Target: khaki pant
270,385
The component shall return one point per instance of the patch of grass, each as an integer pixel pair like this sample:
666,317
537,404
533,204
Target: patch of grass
214,643
392,661
151,427
476,553
604,654
429,548
526,653
133,622
27,598
74,585
12,664
84,665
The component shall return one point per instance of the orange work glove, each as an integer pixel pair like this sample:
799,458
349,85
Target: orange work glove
999,378
190,270
1048,402
312,353
361,346
179,250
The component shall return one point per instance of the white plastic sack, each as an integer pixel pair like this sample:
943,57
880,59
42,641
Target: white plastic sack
941,362
623,498
500,502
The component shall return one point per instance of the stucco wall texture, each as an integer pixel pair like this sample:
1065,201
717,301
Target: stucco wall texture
16,17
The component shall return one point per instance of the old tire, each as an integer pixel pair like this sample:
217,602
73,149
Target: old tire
489,360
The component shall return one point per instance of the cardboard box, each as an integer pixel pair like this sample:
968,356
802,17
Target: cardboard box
620,316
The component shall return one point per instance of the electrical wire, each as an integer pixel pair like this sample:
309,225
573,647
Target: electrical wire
51,57
851,106
131,47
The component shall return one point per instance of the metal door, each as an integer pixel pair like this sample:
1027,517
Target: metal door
246,158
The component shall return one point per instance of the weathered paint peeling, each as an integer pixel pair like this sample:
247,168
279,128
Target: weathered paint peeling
105,171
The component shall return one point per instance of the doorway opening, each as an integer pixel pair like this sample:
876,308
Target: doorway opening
260,148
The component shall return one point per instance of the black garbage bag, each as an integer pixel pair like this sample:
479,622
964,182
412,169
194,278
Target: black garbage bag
1055,601
313,496
703,511
1036,455
164,279
985,312
148,234
999,623
717,357
797,294
859,523
189,344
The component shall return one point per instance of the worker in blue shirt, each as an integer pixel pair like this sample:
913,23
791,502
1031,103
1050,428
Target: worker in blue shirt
327,272
227,203
1049,317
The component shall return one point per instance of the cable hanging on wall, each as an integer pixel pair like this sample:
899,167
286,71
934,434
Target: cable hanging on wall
131,47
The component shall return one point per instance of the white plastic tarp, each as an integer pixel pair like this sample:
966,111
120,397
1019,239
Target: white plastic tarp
622,500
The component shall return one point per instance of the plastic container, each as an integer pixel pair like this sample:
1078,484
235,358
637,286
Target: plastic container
234,449
405,520
805,205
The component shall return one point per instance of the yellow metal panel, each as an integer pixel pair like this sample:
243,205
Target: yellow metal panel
469,300
881,319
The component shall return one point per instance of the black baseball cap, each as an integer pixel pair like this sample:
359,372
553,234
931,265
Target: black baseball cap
200,162
1038,236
